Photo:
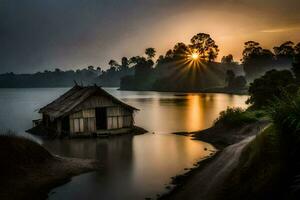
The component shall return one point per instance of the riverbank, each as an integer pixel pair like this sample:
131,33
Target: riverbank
29,171
225,90
218,90
196,183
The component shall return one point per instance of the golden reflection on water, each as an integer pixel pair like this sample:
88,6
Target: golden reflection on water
194,112
167,112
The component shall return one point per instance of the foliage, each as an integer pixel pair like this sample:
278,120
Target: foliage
113,63
124,63
150,52
227,59
235,117
143,76
285,113
205,45
178,76
271,86
296,64
285,52
55,78
256,60
180,50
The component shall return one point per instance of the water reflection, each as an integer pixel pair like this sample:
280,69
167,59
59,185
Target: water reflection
135,166
195,113
169,112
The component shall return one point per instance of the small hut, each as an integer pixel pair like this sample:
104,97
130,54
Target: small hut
89,110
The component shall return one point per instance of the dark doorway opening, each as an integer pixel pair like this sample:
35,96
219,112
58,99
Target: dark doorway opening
65,125
101,118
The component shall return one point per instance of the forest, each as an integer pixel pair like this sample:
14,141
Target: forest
193,66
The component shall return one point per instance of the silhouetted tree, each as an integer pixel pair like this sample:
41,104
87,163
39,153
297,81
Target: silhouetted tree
296,63
180,50
124,63
113,63
150,52
205,46
169,54
57,70
137,59
297,49
285,53
160,59
91,68
256,60
270,86
227,59
251,48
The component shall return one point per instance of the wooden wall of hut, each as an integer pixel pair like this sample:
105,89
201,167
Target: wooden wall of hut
85,121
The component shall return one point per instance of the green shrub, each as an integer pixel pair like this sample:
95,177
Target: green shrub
234,117
285,113
271,86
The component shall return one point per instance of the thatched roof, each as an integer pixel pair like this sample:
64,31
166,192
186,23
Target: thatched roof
69,100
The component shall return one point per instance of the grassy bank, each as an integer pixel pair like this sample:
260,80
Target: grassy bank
232,126
257,175
32,171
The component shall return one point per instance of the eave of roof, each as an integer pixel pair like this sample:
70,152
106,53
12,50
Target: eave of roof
76,95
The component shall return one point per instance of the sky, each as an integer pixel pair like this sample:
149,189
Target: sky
36,35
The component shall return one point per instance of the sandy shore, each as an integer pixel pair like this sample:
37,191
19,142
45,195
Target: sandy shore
36,181
192,184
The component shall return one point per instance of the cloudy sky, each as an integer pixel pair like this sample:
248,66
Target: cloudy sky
44,34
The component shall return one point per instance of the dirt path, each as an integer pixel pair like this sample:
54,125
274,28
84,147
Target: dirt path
204,182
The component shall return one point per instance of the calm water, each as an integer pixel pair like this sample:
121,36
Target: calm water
135,166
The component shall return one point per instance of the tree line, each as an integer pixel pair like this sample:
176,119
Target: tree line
176,65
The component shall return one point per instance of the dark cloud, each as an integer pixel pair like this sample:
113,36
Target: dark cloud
37,35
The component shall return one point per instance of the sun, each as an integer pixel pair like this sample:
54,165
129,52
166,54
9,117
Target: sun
195,56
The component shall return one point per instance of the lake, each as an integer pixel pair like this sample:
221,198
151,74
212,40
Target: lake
135,167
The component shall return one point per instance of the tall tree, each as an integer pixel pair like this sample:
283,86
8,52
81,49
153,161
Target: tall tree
256,60
205,46
251,48
227,59
297,52
285,53
91,68
124,63
113,63
180,50
150,52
